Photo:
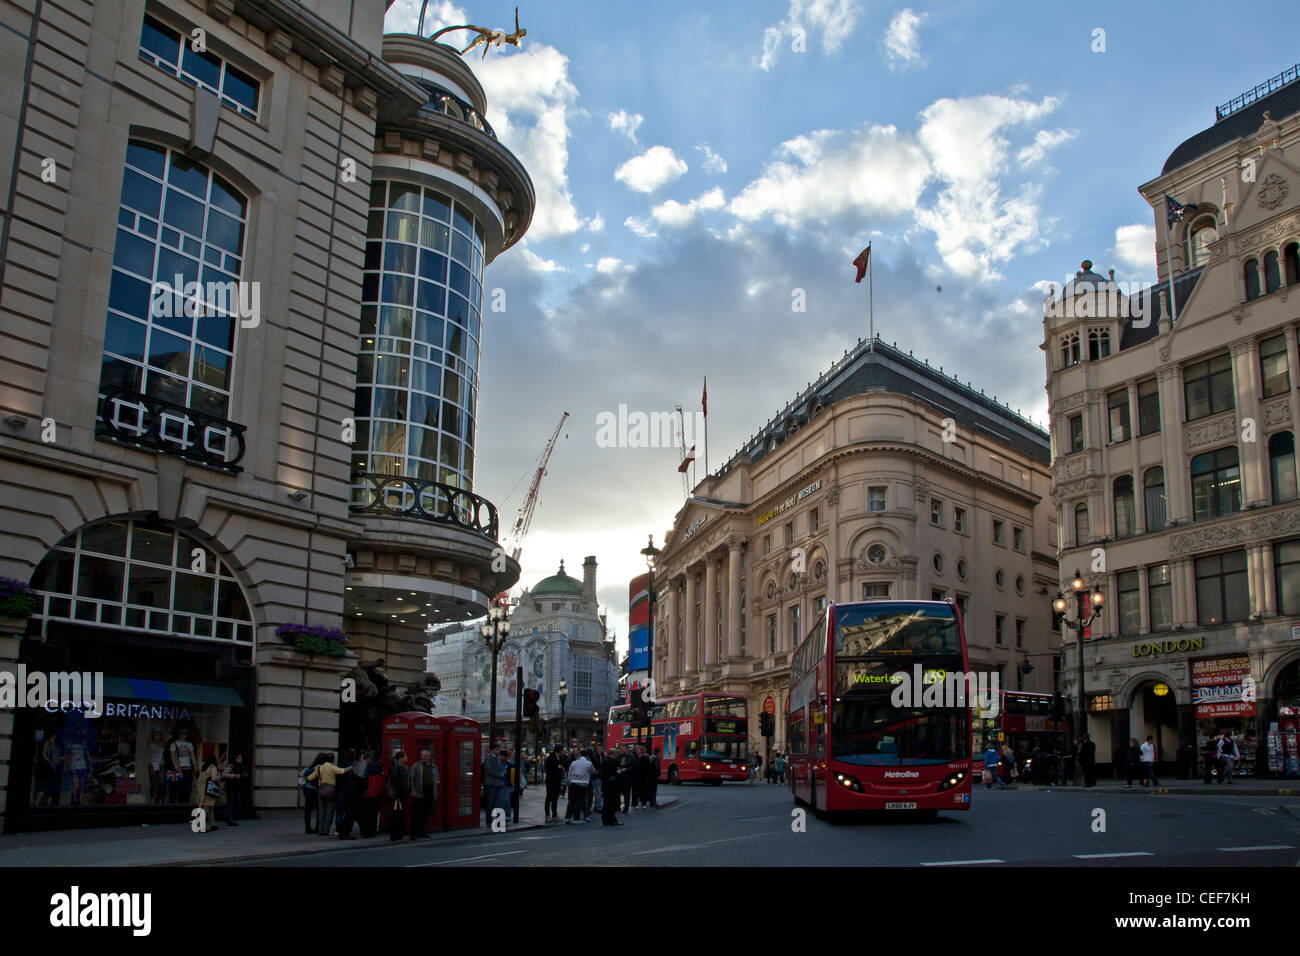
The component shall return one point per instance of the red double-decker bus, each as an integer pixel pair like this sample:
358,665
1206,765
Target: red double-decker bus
698,737
851,747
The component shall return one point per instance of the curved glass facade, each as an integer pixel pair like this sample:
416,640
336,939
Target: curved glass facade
417,367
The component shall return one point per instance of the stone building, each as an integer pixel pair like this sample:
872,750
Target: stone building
1173,426
558,630
180,481
856,472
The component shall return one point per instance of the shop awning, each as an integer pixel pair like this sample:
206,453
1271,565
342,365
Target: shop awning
133,688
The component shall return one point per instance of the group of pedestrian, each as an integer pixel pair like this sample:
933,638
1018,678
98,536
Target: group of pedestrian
338,798
1221,755
222,783
775,766
621,780
499,781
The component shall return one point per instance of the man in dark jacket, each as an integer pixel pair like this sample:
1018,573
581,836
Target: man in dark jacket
554,780
626,771
654,780
351,790
642,778
609,778
424,793
397,796
1088,760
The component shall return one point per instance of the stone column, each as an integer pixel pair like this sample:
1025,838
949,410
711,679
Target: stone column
1182,577
1269,572
710,608
1255,578
692,634
10,637
672,631
1139,497
1247,388
1170,381
733,596
1293,370
1144,624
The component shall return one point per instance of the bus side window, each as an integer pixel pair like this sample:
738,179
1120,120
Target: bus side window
692,749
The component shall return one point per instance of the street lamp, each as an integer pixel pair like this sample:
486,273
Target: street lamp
651,557
1087,610
494,630
564,695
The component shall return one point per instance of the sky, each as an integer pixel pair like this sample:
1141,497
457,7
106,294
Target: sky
707,172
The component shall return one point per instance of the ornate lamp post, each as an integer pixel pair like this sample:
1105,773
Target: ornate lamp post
1087,610
651,556
495,630
564,695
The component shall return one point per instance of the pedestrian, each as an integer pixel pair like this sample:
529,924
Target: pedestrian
1149,758
235,776
655,769
327,775
209,790
493,780
311,795
1008,764
506,795
1212,761
626,769
554,782
396,794
597,785
641,784
1088,757
580,773
351,785
779,767
1132,760
990,766
609,777
1228,754
373,795
424,794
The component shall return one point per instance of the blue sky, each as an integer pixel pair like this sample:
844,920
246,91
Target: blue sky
694,169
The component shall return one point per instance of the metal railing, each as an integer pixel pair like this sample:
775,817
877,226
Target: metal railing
143,421
1271,85
397,496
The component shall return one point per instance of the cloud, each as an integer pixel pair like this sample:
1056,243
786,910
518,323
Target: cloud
869,172
529,96
404,16
833,19
608,265
902,40
675,214
1044,141
596,223
640,226
655,167
626,123
713,163
538,264
1135,247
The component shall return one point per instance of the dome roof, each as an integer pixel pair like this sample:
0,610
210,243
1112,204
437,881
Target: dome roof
557,585
1085,280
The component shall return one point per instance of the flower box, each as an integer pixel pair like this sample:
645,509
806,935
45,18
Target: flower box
17,600
314,639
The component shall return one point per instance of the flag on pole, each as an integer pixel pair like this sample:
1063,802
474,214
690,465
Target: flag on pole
690,457
704,398
1176,211
861,262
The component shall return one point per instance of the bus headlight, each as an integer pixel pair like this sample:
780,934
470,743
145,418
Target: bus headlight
952,780
708,766
850,783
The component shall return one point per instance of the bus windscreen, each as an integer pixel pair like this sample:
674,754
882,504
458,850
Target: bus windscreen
895,630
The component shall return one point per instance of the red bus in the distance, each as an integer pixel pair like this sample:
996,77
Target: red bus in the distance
850,747
698,737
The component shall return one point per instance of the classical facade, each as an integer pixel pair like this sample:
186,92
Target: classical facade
886,478
240,280
1173,426
557,631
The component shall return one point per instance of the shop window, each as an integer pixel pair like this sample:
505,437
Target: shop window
1216,484
1207,387
1273,366
142,577
1117,412
1153,492
1281,460
1222,594
1125,519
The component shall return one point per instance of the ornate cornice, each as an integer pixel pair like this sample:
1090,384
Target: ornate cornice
1277,412
1221,429
1075,488
1239,530
1072,466
1167,372
1269,234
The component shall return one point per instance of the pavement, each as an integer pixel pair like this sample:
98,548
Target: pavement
275,834
1240,787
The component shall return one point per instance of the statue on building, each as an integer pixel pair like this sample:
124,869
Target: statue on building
377,697
488,38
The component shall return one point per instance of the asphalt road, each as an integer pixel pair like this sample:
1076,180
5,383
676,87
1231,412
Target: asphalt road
752,826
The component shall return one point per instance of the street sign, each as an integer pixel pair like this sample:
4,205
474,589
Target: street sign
769,705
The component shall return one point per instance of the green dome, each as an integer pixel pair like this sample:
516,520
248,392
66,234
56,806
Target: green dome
557,585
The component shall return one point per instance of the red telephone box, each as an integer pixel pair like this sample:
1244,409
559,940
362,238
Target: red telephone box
462,779
410,733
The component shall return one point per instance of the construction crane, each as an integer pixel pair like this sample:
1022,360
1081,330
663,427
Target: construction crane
520,529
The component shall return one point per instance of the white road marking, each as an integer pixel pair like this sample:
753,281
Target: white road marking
1106,856
961,862
468,859
1244,849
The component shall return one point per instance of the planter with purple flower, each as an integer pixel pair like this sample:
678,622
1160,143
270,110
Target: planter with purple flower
17,603
314,639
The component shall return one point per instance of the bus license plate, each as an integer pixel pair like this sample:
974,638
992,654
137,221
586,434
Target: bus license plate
901,805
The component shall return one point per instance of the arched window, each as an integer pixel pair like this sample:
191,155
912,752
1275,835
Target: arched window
1125,525
1153,491
1291,259
1272,277
1098,344
1281,461
1070,350
177,220
1250,272
142,577
1203,232
1216,484
1081,531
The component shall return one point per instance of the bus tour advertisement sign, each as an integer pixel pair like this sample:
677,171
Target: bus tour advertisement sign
1223,687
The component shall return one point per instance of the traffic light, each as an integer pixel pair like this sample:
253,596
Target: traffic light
638,707
766,724
531,698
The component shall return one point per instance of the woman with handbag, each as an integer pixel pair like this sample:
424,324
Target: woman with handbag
209,786
311,796
396,793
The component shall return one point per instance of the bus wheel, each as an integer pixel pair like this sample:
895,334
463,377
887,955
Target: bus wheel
673,778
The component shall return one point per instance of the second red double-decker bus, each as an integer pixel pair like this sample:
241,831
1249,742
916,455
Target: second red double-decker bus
857,745
697,737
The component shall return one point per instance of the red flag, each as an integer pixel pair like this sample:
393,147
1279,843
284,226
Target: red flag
690,457
704,399
861,262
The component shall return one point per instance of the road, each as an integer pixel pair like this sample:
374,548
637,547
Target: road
743,825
